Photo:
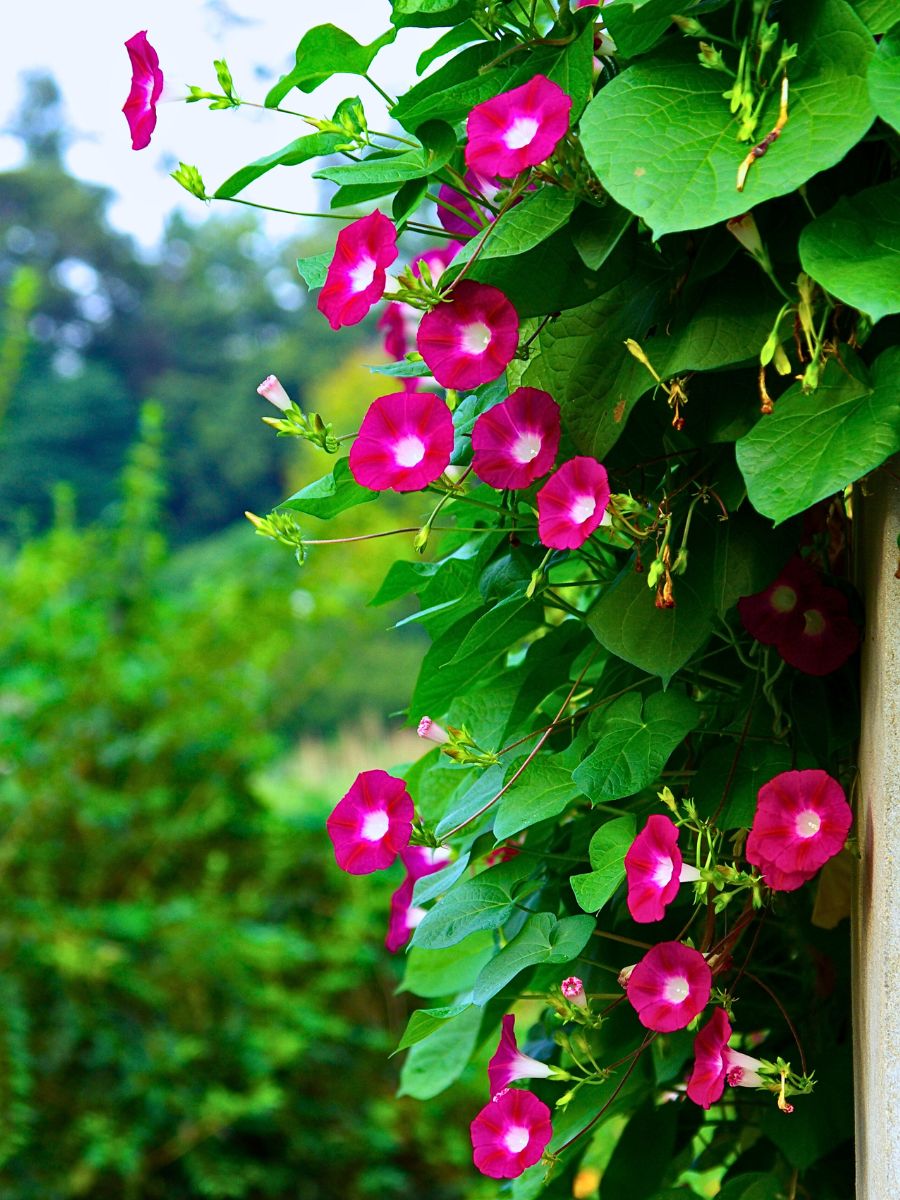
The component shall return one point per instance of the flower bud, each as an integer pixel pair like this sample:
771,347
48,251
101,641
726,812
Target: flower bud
745,229
573,990
271,389
432,732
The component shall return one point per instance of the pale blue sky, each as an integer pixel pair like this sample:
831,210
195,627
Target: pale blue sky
82,46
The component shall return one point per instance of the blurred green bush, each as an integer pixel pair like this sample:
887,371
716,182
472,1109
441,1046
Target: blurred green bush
192,1004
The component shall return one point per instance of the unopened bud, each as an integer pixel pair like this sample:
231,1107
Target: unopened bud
271,389
688,26
745,229
432,732
668,799
573,990
191,180
711,58
625,975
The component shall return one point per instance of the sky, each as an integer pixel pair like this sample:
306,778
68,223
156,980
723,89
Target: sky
81,45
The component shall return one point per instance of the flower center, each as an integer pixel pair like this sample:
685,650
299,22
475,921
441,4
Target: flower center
676,990
516,1139
526,448
784,599
582,509
663,873
808,823
409,451
520,133
474,338
815,622
362,275
375,825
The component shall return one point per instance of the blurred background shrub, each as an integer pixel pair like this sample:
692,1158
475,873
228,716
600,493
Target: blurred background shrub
192,1003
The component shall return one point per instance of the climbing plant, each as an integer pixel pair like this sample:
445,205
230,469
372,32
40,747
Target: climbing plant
635,273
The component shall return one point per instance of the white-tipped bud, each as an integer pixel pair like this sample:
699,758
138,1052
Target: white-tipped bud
272,390
432,732
573,990
744,228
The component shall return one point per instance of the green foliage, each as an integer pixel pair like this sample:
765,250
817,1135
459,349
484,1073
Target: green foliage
813,444
179,1017
325,51
663,120
729,375
852,250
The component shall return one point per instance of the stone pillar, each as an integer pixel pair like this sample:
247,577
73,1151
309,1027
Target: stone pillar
876,917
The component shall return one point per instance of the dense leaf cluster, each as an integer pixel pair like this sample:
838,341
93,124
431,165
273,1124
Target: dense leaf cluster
730,372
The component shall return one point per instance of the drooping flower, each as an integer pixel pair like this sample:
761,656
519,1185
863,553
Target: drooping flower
356,276
404,914
399,321
716,1064
776,613
571,503
669,986
424,860
393,321
404,442
802,819
470,338
432,732
437,260
655,870
515,442
828,636
271,389
468,217
517,129
146,87
573,990
509,1063
510,1134
372,823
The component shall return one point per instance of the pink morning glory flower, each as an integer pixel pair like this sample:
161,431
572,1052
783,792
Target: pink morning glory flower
404,915
399,320
515,442
271,389
424,860
371,824
517,129
806,620
571,503
669,986
404,442
510,1134
776,613
828,636
655,870
802,819
393,322
356,277
509,1063
471,338
573,990
146,87
469,217
716,1064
